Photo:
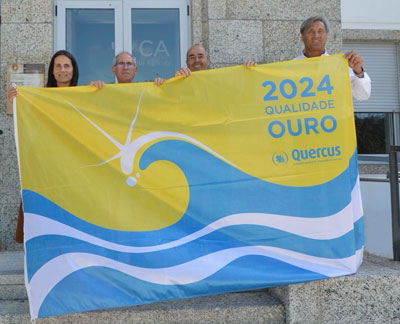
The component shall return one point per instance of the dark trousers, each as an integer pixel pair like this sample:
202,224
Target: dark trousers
19,235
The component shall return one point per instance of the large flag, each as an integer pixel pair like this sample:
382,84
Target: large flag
231,179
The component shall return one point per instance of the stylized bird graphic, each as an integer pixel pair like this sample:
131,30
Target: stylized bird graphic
127,151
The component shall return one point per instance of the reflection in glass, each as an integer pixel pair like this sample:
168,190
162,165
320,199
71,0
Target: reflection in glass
373,132
156,42
90,38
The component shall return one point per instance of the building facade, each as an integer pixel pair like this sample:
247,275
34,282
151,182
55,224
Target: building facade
160,31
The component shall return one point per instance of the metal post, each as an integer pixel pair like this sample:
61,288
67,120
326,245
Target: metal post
394,193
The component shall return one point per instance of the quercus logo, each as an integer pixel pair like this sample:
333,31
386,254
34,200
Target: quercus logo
280,158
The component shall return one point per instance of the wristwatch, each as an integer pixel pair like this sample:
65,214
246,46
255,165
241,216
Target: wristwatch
361,74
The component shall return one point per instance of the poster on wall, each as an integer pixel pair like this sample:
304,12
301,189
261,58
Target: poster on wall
28,75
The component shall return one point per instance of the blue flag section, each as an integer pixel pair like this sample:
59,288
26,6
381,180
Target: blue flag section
201,197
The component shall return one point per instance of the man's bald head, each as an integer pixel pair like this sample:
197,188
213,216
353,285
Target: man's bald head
197,58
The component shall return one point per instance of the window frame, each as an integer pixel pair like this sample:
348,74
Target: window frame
122,18
184,21
60,24
394,127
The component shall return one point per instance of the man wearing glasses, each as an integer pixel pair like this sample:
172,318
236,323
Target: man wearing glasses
124,68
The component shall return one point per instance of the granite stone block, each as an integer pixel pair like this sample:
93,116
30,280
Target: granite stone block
220,65
26,11
282,40
370,296
12,283
370,34
9,177
8,139
3,91
204,11
335,40
216,9
282,10
233,42
205,36
197,24
222,309
12,268
8,218
10,197
9,174
26,43
13,292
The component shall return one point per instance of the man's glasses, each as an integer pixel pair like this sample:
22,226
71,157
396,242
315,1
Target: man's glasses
123,64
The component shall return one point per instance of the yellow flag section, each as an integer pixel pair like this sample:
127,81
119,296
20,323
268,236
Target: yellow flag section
288,123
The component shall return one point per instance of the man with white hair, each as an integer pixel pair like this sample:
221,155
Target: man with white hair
314,33
124,68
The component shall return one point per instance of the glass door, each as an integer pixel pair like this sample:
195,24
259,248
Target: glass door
89,30
156,32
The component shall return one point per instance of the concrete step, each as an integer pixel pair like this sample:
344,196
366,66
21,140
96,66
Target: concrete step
370,296
12,286
11,262
244,307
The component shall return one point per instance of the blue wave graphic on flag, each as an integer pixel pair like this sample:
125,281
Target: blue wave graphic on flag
219,189
341,247
236,227
121,290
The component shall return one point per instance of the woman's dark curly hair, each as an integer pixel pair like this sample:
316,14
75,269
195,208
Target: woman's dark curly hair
51,81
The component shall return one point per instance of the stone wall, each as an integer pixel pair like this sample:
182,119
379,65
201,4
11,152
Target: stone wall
26,37
262,30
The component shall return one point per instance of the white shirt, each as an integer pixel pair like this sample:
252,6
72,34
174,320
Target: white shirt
360,87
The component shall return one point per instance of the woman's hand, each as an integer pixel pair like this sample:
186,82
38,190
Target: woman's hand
12,93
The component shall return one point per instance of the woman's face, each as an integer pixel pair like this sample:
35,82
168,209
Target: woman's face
63,71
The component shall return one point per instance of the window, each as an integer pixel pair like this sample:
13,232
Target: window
377,119
155,31
373,132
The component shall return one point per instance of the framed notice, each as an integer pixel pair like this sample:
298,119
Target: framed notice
29,75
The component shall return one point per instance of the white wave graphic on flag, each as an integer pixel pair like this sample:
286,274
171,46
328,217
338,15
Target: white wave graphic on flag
324,228
193,271
329,227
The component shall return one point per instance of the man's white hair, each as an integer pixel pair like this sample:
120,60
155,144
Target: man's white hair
124,52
